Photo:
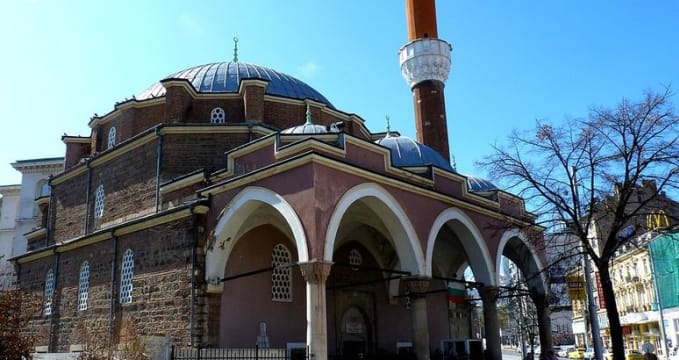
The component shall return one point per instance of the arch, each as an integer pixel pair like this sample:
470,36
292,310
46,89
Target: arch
474,245
521,236
389,211
243,205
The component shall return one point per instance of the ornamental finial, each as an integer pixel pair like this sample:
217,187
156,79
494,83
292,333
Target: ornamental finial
388,127
308,115
235,49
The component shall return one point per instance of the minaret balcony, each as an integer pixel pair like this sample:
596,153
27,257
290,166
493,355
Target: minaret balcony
425,59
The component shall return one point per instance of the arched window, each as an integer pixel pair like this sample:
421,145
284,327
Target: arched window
99,202
218,116
355,259
84,285
126,274
111,137
281,277
49,292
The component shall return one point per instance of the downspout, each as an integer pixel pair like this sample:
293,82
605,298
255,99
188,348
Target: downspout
87,196
249,132
192,314
48,221
50,347
159,160
113,291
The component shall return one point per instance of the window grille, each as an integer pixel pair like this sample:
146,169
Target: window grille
281,278
99,202
111,137
126,274
83,287
49,292
218,116
355,258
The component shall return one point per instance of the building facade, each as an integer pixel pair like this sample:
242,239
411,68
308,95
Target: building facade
21,209
230,205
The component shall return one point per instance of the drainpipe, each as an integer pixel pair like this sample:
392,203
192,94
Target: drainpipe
113,291
159,159
48,222
192,314
50,347
249,132
87,196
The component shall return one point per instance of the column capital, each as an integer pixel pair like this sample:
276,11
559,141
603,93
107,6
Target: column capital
417,285
315,271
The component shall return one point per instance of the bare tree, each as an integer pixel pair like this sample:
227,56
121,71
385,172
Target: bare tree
597,177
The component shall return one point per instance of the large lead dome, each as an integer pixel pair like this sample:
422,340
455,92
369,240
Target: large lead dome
225,77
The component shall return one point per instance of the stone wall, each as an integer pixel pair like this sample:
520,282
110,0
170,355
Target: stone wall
161,297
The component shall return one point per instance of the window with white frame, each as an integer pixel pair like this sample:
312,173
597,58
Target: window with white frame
99,202
126,274
111,137
49,292
83,286
281,277
218,116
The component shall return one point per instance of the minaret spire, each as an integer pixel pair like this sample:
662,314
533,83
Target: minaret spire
425,63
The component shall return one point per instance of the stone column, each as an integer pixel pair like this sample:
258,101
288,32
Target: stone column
544,320
491,322
315,274
417,287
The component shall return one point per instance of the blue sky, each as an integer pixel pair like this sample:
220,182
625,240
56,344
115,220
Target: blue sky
513,61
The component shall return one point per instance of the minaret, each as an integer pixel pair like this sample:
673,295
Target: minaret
425,64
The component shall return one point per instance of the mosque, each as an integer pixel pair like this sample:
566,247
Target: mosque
230,205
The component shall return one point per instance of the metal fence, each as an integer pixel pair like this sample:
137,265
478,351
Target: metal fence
239,354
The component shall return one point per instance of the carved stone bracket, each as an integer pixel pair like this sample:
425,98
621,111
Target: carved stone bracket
315,271
417,286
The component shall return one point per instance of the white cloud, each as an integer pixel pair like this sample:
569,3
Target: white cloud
190,24
309,69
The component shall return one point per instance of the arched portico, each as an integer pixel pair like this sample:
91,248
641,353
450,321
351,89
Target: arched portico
472,241
519,248
391,219
238,218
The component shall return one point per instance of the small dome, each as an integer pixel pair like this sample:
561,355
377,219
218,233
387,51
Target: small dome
306,129
225,77
407,152
477,184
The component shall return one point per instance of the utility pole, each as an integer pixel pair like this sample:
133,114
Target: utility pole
593,316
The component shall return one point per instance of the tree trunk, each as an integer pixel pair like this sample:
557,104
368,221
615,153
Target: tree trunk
614,327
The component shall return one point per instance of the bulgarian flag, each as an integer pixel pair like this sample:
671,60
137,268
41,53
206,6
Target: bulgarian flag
455,295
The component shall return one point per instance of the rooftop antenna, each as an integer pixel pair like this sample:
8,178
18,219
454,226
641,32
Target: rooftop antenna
235,49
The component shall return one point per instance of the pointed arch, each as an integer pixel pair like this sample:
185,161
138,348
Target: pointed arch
390,212
474,245
242,206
